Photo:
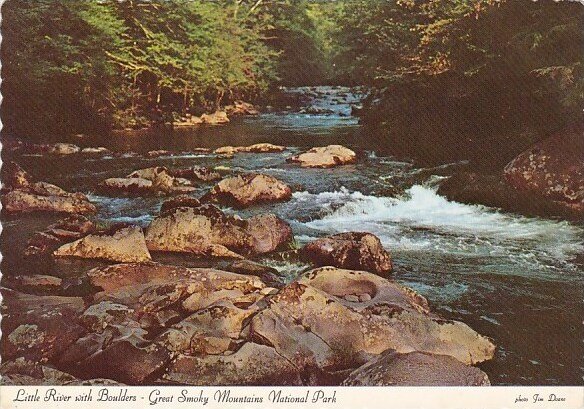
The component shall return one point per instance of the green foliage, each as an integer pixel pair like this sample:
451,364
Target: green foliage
70,65
485,68
54,67
80,65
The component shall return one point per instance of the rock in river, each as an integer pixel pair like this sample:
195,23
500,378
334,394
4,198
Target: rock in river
331,320
247,190
120,243
353,251
553,169
64,149
21,194
156,180
207,231
325,157
255,148
73,227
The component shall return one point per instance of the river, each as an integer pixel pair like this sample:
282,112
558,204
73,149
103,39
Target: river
515,279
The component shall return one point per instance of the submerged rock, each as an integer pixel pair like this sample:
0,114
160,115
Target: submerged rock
247,190
120,243
416,369
325,157
353,251
553,169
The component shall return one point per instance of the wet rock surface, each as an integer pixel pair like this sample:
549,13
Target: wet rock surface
354,251
123,243
149,322
64,231
22,195
206,231
155,181
553,169
255,148
247,190
340,319
325,157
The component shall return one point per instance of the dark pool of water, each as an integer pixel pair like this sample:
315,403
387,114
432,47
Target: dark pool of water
517,280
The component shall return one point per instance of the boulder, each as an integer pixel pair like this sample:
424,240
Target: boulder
196,173
553,169
158,153
179,201
269,233
152,287
204,230
214,330
156,180
120,243
330,321
352,251
36,282
128,185
246,190
207,231
494,191
38,328
253,364
73,227
64,149
22,194
325,157
115,357
255,148
44,197
15,177
416,369
216,118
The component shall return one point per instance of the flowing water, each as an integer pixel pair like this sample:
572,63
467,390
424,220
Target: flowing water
515,279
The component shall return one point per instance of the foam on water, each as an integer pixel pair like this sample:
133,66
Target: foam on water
421,220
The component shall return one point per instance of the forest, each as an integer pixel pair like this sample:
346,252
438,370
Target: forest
495,66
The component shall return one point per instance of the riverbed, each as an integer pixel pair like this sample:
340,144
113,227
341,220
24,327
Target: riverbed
518,280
